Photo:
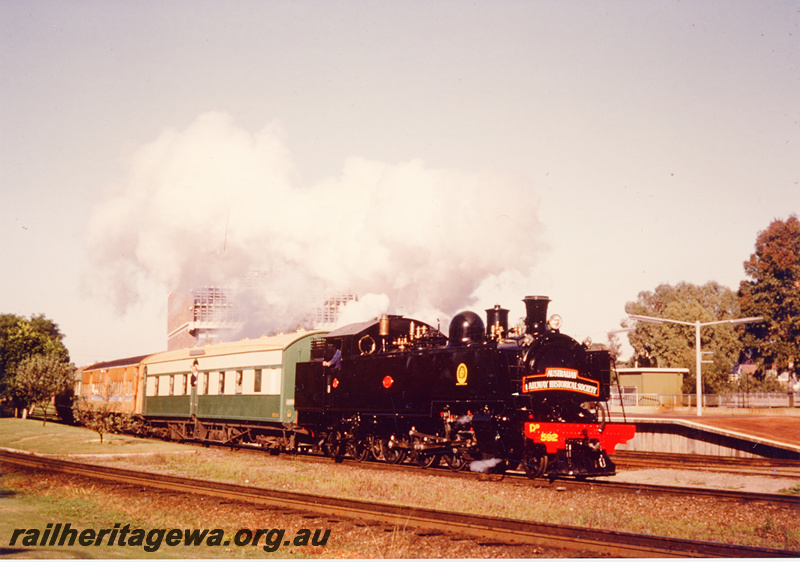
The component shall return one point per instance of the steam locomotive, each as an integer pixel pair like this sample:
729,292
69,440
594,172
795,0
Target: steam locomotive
487,396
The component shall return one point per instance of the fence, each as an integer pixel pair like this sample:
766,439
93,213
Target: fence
734,400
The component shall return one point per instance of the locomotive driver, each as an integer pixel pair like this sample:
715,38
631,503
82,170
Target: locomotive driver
336,360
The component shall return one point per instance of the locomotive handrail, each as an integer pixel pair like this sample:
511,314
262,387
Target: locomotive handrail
619,391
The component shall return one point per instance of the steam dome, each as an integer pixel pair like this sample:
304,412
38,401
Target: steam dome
466,328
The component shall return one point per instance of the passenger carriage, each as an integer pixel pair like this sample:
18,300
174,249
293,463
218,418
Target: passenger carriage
243,391
112,385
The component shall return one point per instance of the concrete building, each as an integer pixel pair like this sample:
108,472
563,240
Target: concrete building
198,317
210,315
328,313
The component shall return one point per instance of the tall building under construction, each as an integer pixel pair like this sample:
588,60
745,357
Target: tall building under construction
209,314
199,317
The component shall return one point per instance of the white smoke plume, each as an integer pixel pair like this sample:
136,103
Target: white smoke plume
208,204
484,465
367,306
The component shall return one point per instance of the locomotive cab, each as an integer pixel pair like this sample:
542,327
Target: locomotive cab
373,366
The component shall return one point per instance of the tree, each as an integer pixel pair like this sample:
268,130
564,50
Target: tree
673,345
22,339
104,418
39,378
773,291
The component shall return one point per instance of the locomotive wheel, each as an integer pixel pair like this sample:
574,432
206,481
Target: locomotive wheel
359,450
334,447
426,460
534,461
455,461
392,455
423,458
376,448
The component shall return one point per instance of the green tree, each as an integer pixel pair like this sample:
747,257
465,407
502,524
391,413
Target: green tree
104,418
773,291
39,378
673,345
22,339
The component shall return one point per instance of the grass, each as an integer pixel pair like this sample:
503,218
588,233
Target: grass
794,490
29,505
24,510
59,439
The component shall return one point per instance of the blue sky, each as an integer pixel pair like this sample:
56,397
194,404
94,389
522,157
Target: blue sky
434,155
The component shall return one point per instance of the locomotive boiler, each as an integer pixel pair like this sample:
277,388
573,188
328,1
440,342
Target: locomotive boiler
488,395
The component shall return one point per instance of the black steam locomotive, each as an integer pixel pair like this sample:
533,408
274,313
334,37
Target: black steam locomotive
488,396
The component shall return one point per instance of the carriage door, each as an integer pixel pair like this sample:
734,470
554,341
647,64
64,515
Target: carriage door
193,379
193,401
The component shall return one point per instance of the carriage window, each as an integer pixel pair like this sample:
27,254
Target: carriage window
221,382
257,383
155,393
239,377
205,376
171,385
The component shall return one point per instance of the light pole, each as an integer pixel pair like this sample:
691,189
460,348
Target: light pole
699,355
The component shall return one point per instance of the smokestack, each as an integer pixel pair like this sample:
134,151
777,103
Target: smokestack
536,308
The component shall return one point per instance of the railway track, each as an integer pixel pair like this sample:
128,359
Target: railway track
657,489
783,468
607,543
519,478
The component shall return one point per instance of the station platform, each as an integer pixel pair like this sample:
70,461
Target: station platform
731,435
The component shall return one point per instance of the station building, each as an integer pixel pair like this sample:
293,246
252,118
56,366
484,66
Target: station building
649,386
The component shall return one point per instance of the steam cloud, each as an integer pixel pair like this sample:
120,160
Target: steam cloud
484,465
208,204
